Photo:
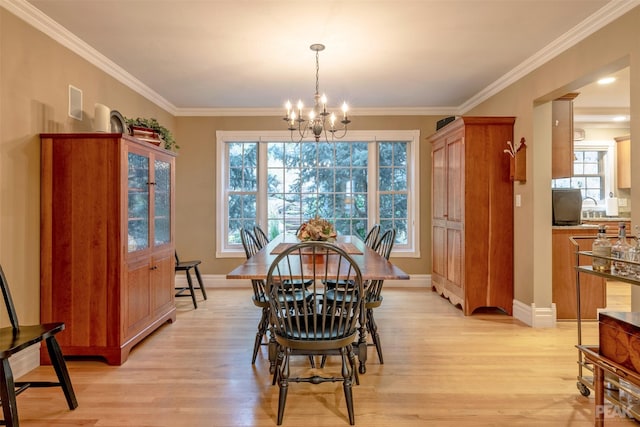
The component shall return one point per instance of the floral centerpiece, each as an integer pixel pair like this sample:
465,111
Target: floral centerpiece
318,229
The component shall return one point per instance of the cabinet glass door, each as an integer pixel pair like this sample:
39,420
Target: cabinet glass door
138,202
162,202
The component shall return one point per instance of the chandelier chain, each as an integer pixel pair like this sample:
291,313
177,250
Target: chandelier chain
317,72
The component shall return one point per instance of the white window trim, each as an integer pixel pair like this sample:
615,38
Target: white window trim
413,199
609,167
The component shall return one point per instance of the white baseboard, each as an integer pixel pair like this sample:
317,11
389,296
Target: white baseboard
220,281
536,317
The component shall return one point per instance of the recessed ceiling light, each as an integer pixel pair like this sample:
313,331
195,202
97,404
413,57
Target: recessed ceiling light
606,80
620,119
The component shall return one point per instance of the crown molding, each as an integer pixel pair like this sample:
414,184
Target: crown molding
278,112
34,17
43,23
607,14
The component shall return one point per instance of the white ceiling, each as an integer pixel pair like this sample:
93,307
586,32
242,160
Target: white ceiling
388,55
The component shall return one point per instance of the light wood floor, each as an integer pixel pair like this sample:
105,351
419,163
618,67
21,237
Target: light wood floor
618,296
441,369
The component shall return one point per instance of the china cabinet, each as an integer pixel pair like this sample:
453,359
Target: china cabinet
472,213
107,241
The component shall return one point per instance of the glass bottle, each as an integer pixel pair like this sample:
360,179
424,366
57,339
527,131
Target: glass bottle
634,255
620,250
601,247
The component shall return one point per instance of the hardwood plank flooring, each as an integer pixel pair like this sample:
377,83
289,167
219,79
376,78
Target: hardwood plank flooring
441,369
618,296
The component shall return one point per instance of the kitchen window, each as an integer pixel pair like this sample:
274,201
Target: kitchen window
592,171
265,179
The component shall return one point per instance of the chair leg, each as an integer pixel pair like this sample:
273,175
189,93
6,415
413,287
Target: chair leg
347,374
193,293
283,382
354,364
8,395
273,353
373,331
277,363
262,330
60,366
199,277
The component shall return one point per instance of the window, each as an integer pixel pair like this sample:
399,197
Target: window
264,178
591,170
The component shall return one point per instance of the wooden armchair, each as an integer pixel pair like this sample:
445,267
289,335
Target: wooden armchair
313,325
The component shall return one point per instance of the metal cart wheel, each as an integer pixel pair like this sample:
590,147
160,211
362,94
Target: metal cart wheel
584,390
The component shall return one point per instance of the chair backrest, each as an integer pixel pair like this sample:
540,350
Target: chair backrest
251,247
385,243
260,236
314,316
371,240
8,302
383,247
176,255
249,242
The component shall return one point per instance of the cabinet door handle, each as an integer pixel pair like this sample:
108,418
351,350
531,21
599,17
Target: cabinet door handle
151,183
155,267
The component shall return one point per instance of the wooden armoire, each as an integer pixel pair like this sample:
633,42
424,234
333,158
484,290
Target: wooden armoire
107,241
472,213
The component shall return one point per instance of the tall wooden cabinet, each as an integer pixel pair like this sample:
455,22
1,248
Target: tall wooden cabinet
472,213
107,241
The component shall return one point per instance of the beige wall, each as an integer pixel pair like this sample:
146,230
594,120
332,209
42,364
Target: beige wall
196,183
35,72
609,49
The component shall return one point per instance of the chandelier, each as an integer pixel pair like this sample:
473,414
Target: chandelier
320,121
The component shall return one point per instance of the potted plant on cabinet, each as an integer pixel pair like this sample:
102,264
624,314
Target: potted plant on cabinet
152,124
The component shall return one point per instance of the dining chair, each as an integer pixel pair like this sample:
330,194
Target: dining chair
371,238
260,300
187,266
17,338
260,236
373,294
311,325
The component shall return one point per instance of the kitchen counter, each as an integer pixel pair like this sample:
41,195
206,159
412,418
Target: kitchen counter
588,223
608,219
574,227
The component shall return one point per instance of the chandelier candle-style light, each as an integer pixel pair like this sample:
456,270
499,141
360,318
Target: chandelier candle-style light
317,122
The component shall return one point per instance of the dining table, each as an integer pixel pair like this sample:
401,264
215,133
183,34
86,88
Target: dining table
373,266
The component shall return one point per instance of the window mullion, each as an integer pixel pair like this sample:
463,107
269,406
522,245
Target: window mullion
372,183
262,185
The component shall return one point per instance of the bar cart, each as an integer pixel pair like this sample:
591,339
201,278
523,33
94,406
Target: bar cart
594,369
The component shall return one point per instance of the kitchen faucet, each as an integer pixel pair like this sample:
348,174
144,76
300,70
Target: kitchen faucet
591,198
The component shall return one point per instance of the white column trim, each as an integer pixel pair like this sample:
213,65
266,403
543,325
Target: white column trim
536,317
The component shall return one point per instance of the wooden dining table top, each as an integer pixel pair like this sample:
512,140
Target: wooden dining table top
372,265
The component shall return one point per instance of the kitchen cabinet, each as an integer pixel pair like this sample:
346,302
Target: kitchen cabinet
107,241
472,213
562,136
593,290
623,161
